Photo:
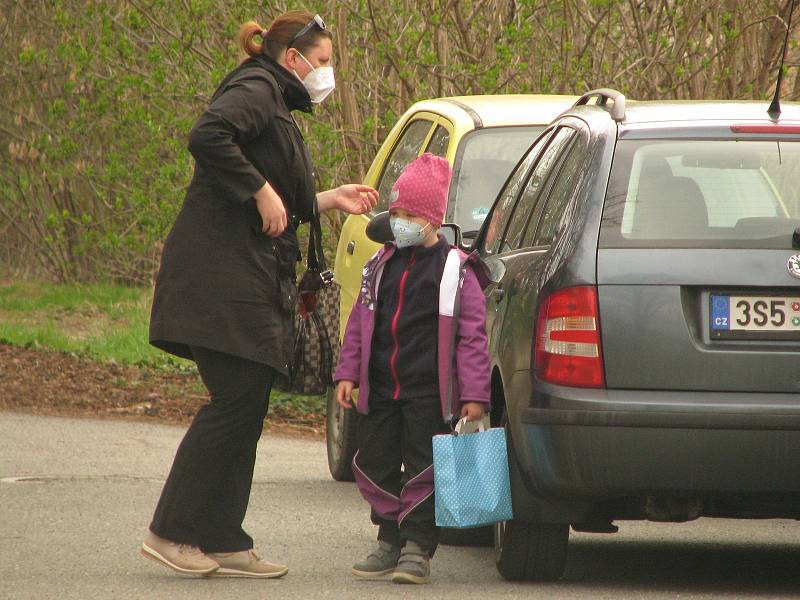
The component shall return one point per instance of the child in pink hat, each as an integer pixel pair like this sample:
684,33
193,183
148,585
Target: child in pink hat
415,345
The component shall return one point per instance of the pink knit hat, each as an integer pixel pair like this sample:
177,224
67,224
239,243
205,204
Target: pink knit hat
422,188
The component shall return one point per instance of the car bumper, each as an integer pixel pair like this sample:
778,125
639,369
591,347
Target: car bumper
595,444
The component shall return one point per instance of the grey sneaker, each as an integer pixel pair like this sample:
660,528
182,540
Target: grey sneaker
414,565
180,557
380,562
245,564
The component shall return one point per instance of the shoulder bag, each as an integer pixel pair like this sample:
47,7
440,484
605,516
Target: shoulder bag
316,323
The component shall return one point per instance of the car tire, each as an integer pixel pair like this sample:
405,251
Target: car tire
340,435
530,551
526,551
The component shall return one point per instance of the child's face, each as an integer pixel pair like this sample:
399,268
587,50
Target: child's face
428,230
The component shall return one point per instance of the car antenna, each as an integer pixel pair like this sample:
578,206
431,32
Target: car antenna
774,110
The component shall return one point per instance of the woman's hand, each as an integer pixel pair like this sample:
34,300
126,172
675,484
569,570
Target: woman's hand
352,198
344,393
272,211
473,411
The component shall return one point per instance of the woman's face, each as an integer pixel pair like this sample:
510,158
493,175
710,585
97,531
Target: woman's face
318,55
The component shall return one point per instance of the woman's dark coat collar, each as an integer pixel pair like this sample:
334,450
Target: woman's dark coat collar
294,93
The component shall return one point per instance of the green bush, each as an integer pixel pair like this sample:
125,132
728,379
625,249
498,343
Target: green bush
99,95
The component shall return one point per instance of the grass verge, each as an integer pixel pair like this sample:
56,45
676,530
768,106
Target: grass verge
105,323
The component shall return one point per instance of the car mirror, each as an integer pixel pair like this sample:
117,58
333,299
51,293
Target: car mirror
378,229
494,268
452,233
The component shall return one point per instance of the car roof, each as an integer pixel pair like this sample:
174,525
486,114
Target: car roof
695,118
499,110
640,112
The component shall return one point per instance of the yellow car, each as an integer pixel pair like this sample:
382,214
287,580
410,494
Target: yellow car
483,138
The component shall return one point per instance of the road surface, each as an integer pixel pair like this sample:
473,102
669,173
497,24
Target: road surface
76,496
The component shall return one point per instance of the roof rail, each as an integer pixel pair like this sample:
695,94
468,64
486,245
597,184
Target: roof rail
603,95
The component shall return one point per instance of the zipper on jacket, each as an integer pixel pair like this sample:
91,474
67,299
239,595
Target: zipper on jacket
395,320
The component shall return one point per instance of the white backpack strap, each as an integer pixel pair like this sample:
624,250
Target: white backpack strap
448,287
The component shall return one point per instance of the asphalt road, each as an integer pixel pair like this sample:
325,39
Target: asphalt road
76,496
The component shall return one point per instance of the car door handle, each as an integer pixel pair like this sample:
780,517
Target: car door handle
351,247
498,294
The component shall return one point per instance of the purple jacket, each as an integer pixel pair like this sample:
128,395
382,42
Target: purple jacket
462,344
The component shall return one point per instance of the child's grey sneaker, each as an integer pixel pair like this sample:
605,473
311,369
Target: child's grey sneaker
380,562
414,565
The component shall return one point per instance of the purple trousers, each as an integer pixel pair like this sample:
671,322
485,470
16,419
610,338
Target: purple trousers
393,467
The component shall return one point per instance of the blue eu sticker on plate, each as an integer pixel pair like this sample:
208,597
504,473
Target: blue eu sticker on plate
720,312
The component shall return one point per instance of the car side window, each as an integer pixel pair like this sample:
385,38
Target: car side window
529,198
406,149
440,140
555,211
503,207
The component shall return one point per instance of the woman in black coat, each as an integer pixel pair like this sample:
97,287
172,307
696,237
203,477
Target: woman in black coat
225,289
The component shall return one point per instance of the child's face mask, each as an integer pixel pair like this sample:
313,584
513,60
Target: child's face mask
407,233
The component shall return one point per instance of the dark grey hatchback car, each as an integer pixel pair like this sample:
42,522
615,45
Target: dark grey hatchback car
645,324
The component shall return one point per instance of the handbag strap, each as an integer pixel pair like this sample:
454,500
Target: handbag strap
315,258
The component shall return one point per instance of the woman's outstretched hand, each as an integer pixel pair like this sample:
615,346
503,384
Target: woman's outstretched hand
353,198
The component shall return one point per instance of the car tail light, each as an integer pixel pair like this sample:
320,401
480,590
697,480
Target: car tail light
568,349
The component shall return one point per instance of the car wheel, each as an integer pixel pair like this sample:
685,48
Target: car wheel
530,551
474,536
525,551
340,433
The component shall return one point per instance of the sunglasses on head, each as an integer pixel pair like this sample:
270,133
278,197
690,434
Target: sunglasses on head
316,21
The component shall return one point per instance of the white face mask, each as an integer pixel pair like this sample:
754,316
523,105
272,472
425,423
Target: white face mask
319,83
407,233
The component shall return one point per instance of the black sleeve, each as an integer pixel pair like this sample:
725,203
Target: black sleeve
237,116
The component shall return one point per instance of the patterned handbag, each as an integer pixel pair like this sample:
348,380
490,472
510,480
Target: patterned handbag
316,324
470,475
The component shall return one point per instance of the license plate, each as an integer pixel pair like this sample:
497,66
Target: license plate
755,317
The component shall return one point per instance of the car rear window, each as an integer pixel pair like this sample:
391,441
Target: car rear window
484,161
702,193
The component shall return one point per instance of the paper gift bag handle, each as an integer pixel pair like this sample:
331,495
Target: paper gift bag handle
463,420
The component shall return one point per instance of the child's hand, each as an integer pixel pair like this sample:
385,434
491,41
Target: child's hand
344,393
473,411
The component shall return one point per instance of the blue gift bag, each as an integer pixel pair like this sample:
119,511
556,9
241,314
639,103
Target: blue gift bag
470,477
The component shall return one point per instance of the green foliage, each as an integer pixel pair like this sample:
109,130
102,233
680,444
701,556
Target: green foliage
93,136
291,405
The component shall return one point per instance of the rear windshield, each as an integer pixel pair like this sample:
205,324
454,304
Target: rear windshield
703,193
485,160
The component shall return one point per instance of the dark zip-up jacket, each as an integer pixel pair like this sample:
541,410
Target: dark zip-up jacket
463,365
404,357
222,283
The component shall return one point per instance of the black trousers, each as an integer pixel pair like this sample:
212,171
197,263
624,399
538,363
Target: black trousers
205,498
395,459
